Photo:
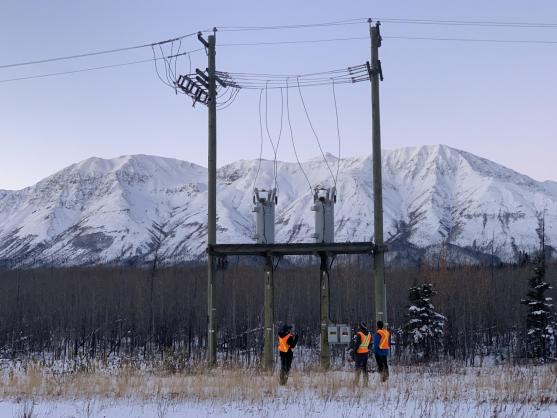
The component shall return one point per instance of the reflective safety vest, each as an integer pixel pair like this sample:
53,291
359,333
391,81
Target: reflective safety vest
283,343
384,343
364,343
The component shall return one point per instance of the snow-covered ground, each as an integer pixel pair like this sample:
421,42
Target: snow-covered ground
278,407
428,391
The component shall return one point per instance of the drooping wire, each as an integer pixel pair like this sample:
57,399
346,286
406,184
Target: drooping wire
313,130
155,59
176,60
167,68
338,130
260,140
292,138
273,81
273,146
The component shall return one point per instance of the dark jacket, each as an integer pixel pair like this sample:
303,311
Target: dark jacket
292,341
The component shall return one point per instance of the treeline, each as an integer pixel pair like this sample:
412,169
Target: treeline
99,312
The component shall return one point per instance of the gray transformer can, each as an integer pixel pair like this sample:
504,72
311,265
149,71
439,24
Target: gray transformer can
264,207
324,207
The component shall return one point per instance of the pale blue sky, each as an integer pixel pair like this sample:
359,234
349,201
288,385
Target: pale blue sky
494,100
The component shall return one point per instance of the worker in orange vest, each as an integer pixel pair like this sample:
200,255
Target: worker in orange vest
286,342
381,346
360,347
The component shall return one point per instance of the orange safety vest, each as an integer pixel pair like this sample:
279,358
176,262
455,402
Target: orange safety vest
364,343
283,343
384,343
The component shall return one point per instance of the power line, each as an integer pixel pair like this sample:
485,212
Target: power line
469,23
260,140
257,81
443,22
292,138
89,54
300,41
355,21
102,67
422,38
338,131
507,41
298,26
314,133
418,38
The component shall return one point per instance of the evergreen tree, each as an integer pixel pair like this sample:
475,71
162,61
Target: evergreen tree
423,332
540,320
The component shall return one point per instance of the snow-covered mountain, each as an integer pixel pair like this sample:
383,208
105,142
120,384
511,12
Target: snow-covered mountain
127,209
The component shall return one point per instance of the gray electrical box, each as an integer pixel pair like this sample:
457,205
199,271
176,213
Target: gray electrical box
339,334
264,206
324,207
332,331
344,334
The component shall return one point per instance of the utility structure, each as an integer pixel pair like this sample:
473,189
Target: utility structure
376,74
324,207
202,88
264,207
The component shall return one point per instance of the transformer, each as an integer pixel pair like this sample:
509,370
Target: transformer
264,206
324,207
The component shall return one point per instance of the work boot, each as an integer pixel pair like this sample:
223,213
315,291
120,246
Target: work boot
357,377
283,378
384,376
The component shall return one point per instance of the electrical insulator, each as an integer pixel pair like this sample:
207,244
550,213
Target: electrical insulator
264,207
324,207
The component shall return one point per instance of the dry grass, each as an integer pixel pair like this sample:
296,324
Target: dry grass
536,386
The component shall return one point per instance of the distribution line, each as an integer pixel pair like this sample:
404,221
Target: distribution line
102,67
469,23
89,54
444,22
506,41
416,38
355,21
299,26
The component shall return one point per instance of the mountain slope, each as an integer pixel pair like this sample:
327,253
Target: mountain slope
129,209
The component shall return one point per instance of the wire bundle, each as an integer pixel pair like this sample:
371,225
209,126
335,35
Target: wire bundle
259,81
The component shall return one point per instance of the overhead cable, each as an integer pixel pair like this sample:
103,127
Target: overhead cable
260,141
338,130
81,70
315,133
292,138
89,54
295,26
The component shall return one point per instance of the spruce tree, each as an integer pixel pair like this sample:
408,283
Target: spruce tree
540,320
423,332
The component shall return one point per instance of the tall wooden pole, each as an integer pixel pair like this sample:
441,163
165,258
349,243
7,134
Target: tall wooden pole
212,203
325,354
269,320
378,257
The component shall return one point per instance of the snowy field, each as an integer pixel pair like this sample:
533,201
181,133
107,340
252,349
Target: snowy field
437,391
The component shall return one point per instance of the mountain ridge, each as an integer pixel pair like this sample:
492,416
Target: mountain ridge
126,209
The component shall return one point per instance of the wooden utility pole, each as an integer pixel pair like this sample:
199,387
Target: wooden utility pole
268,335
212,202
379,256
325,354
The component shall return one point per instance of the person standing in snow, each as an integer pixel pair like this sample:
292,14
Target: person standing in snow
286,343
381,346
360,349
